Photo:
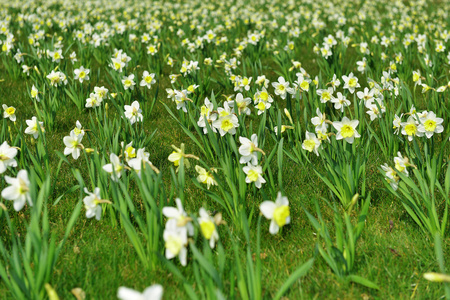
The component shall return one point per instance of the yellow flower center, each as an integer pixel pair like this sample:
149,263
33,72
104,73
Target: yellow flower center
261,105
304,85
131,153
347,131
253,175
410,129
326,96
430,125
264,96
352,82
10,110
174,245
127,82
226,125
207,228
309,145
82,75
281,214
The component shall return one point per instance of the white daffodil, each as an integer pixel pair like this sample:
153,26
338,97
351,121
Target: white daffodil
101,92
178,216
325,94
282,88
78,130
133,112
153,292
115,168
397,123
401,163
335,82
141,161
175,242
410,128
93,101
33,127
430,124
242,104
128,82
391,176
73,145
9,112
346,130
81,74
19,190
147,79
92,203
205,177
249,149
311,143
254,175
350,82
340,102
320,119
7,155
302,82
208,227
34,93
278,212
226,124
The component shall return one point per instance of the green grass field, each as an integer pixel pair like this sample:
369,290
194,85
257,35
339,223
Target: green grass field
396,246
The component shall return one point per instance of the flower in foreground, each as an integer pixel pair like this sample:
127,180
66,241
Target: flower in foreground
346,130
7,155
254,175
91,203
277,211
19,190
153,292
175,239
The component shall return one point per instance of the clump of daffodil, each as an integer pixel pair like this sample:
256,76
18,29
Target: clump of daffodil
177,154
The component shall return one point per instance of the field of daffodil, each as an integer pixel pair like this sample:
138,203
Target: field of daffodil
224,149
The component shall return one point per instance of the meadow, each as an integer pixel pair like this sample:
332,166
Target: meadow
224,150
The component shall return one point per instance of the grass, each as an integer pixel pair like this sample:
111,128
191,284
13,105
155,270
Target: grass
99,257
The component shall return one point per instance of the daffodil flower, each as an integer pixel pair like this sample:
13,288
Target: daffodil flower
254,175
7,155
208,228
205,177
115,168
346,130
19,190
91,203
153,292
278,212
73,145
9,112
248,150
33,127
